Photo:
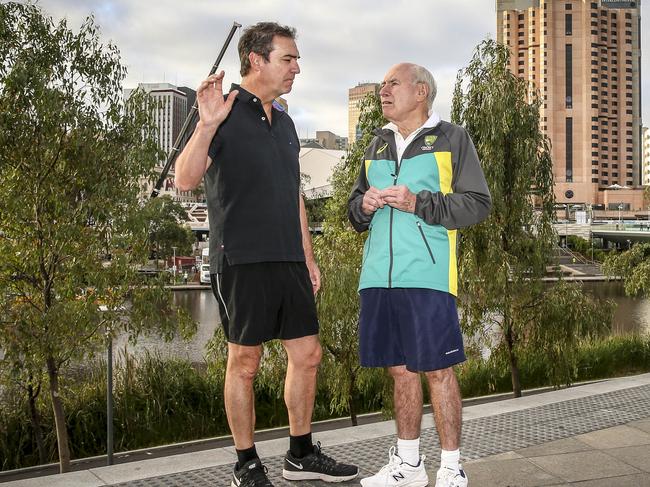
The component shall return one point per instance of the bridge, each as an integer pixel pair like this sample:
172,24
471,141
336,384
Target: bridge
623,232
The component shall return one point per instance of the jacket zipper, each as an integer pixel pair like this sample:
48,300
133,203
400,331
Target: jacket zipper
390,268
424,239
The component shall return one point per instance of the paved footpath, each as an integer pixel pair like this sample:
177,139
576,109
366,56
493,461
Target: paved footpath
593,435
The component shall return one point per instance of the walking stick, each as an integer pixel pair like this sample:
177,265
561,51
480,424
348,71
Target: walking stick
190,120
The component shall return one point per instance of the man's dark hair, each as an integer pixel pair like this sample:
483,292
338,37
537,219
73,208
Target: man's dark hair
258,38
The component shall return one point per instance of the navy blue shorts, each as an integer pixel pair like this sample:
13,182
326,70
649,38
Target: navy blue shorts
414,327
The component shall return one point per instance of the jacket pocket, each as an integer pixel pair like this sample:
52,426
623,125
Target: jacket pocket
426,243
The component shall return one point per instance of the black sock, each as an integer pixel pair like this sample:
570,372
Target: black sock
245,456
300,446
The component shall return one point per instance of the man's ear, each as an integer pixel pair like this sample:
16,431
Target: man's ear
423,90
254,59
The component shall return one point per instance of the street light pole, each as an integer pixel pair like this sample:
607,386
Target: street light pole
174,265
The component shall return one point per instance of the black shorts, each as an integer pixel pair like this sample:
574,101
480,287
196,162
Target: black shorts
263,301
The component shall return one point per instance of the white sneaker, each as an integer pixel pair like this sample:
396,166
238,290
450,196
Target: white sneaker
448,477
398,474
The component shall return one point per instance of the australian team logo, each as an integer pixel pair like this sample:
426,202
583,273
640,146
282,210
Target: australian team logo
429,140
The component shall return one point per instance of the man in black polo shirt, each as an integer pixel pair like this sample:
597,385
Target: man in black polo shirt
263,271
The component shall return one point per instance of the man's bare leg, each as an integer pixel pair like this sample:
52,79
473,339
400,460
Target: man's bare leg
407,396
447,406
243,363
303,357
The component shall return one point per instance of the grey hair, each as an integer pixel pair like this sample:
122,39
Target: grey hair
422,75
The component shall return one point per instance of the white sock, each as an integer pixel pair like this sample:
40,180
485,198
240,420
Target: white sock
450,459
409,451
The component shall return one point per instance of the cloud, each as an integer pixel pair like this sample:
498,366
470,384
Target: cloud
341,42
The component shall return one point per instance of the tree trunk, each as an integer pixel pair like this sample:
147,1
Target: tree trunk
36,423
59,417
514,367
351,400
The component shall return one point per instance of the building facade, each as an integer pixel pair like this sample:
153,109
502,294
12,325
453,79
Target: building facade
170,106
355,95
646,156
329,140
584,57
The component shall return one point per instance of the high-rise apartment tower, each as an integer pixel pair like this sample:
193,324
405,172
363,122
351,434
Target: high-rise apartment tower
355,95
584,57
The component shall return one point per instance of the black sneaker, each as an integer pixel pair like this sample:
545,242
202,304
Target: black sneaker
252,474
317,466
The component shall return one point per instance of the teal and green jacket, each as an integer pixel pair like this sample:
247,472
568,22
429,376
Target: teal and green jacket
418,250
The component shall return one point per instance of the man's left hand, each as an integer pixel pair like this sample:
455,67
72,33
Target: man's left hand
399,197
314,275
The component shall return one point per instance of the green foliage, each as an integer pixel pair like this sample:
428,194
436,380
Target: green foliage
634,266
596,358
159,401
338,253
74,157
162,216
502,260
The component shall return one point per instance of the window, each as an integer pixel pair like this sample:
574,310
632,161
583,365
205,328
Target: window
569,150
569,76
568,24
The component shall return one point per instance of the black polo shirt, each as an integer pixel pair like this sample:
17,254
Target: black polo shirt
252,187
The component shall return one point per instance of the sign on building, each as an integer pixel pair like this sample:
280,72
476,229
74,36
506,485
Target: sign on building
618,4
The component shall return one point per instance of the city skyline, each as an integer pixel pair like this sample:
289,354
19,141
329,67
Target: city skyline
341,45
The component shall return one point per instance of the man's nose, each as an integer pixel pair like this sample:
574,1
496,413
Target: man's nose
296,67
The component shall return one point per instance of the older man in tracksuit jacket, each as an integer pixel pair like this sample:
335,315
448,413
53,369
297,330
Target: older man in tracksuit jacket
420,182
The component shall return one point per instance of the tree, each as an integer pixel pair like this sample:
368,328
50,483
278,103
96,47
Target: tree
338,252
634,266
72,159
164,217
502,260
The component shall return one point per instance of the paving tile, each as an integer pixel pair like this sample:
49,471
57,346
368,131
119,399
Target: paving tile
566,445
509,455
573,467
616,437
72,479
642,480
643,425
509,473
637,456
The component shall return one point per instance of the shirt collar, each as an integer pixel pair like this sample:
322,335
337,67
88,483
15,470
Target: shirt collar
248,97
432,121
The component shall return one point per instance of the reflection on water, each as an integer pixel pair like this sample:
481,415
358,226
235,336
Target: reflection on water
631,315
202,306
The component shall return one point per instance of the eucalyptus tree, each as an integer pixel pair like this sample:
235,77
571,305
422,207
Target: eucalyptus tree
164,218
73,157
502,261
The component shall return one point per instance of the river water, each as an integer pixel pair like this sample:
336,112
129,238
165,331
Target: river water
631,315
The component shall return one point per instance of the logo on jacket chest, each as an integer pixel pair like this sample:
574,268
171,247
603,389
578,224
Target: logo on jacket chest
429,140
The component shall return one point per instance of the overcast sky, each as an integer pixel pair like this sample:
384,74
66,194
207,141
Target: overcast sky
341,43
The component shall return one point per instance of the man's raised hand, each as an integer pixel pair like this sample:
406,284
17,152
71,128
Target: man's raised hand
213,109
